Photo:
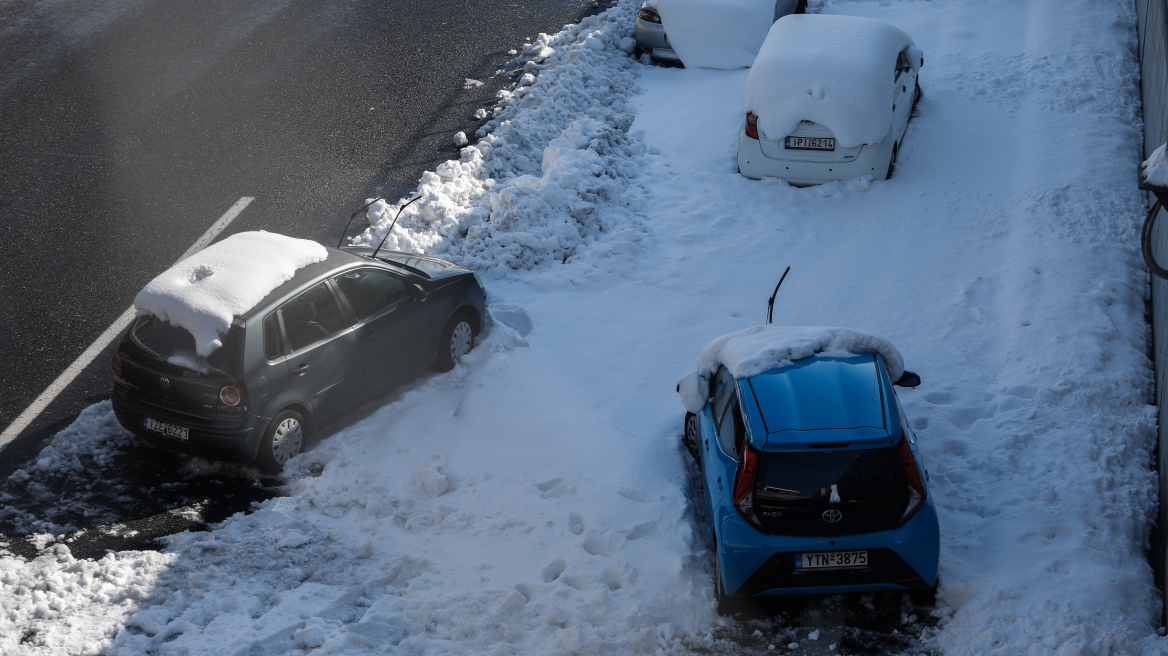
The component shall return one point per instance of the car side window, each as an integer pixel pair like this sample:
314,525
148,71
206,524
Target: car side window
312,317
370,291
732,430
273,341
723,392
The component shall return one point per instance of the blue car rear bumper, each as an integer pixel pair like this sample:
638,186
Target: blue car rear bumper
756,563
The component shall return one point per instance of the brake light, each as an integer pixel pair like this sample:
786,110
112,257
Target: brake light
744,485
916,486
232,396
751,125
117,365
649,16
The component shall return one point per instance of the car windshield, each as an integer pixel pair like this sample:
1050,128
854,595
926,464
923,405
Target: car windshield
871,476
176,346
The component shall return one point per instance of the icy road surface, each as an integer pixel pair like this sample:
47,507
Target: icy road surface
536,501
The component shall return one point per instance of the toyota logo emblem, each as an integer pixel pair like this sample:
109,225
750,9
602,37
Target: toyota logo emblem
164,383
832,516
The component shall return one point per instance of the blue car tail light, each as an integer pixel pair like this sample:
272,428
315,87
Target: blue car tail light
916,487
744,485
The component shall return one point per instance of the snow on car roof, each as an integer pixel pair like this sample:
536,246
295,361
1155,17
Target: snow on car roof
723,34
834,70
206,291
755,350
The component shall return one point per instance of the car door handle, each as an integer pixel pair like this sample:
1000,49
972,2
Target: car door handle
301,370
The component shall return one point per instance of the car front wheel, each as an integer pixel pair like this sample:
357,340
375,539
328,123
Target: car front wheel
690,438
457,341
284,438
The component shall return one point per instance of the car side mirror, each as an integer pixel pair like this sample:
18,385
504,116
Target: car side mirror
417,293
908,379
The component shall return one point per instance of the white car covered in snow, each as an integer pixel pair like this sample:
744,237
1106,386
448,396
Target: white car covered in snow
828,98
721,34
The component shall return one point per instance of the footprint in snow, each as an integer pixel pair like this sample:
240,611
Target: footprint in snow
575,523
600,545
641,530
554,569
554,489
642,497
939,398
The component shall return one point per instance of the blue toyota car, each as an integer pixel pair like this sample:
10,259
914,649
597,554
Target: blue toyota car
813,481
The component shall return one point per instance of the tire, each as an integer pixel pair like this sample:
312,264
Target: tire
891,163
917,93
926,597
690,434
284,438
801,8
457,340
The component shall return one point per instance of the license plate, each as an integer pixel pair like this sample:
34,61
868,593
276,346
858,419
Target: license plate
832,560
811,143
169,430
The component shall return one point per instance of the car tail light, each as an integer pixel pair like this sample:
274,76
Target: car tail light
117,365
916,487
751,125
232,396
744,485
649,16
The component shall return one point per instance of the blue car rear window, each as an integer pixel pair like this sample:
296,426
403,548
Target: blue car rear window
821,393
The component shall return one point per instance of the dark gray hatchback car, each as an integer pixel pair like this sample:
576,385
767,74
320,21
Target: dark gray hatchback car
339,333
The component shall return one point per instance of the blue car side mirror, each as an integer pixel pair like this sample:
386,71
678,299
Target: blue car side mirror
908,379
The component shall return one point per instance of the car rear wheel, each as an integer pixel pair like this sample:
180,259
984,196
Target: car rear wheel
727,605
284,438
457,341
690,437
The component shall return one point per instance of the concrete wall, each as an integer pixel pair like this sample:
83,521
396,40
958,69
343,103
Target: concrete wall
1153,27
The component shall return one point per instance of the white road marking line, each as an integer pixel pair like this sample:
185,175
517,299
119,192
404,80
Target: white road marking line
90,354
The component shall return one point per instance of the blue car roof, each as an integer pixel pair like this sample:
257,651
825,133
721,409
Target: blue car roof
824,399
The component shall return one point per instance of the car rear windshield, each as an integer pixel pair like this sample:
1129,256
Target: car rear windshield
177,346
812,478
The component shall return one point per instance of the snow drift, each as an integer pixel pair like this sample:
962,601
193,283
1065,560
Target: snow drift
205,292
723,34
752,351
834,70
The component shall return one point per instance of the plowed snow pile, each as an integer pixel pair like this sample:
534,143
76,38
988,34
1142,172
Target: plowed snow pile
536,501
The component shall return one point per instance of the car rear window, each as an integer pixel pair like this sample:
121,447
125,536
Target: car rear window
177,346
871,476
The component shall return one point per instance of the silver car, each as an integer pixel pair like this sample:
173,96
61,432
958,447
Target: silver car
653,41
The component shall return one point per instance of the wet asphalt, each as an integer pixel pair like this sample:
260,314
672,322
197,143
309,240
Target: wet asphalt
128,127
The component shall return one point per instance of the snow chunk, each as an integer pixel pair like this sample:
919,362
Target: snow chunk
723,34
204,292
752,351
460,139
1155,168
803,74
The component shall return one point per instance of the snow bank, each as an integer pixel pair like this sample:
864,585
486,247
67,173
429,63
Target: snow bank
1155,168
752,351
543,183
204,292
834,70
723,34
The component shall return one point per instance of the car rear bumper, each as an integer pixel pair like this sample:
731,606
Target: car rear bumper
755,563
754,164
227,440
652,41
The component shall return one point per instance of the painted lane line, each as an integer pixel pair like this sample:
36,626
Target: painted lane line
121,323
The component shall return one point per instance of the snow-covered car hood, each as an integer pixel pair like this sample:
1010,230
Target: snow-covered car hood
752,351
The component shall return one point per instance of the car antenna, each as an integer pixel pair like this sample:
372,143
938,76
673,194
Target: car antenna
771,303
353,216
399,213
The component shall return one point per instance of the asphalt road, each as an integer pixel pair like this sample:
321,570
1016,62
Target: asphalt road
127,127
